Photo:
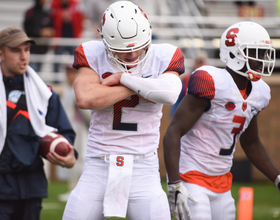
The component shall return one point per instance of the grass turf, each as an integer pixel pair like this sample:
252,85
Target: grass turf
266,201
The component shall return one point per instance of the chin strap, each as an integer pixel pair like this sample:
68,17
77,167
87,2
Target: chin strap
253,77
277,182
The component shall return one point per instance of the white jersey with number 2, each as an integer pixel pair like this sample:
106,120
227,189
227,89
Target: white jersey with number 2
130,126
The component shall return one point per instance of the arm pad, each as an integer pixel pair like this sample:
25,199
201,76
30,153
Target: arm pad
165,89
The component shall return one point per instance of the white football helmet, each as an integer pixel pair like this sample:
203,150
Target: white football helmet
238,40
125,28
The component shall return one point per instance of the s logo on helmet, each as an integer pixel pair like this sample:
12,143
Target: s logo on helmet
231,34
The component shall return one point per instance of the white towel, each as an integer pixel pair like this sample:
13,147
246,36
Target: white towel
37,100
3,113
118,186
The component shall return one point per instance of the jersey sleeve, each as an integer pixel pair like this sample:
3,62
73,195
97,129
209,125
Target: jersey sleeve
202,84
177,62
80,59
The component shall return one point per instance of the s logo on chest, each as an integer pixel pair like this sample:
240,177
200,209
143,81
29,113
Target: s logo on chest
230,106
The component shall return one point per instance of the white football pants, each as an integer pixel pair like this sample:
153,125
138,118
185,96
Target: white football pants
147,199
210,205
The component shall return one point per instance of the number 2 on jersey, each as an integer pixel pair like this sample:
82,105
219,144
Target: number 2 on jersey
236,119
117,124
128,103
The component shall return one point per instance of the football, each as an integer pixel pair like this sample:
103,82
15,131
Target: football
54,142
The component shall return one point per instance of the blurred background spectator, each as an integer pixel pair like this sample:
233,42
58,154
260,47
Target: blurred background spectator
37,24
68,21
94,10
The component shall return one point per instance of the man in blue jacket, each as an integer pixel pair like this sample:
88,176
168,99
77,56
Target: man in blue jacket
28,111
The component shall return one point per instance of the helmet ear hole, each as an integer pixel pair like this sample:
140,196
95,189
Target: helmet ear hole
231,55
244,68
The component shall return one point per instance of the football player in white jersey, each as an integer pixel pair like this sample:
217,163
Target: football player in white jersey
124,80
220,107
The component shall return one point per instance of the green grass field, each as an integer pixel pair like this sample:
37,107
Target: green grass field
266,201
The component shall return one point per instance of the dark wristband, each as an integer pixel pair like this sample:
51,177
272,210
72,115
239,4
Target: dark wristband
174,182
